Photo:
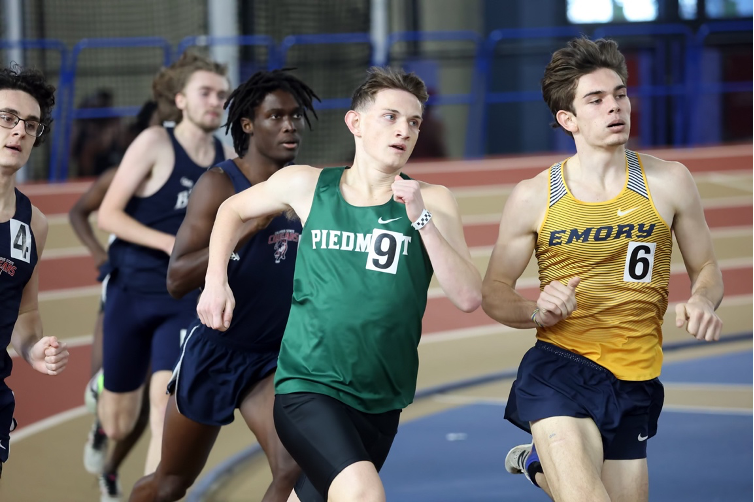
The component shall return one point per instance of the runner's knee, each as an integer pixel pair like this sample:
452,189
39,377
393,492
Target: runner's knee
285,470
118,426
171,488
118,430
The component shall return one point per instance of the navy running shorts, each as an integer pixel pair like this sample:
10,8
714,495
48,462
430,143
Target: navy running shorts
324,436
211,379
7,406
553,382
138,329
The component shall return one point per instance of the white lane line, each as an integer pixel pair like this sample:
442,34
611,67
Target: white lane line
458,399
458,334
713,410
47,423
71,252
66,293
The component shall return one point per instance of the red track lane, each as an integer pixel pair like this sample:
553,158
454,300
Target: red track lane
67,272
79,271
55,203
39,396
466,175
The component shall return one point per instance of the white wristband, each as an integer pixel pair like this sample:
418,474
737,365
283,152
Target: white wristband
423,220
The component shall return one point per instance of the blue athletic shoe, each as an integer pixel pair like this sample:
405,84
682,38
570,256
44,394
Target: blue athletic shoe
533,457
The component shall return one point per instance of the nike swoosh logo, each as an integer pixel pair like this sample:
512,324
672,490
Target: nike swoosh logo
624,213
642,438
382,222
3,447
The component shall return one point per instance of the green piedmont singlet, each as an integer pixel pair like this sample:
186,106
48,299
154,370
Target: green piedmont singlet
359,294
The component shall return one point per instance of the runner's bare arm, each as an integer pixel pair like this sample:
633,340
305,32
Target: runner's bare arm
511,254
292,187
89,202
188,261
44,354
141,156
446,246
522,216
695,242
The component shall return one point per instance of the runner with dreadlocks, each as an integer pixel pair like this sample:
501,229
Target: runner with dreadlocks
220,371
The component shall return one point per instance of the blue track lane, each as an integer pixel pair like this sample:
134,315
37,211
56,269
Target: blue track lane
458,455
696,457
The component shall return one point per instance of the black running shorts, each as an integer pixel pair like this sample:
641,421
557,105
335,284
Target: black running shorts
325,436
552,382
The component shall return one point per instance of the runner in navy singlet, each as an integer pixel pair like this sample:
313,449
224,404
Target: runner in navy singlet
144,208
26,102
96,458
221,371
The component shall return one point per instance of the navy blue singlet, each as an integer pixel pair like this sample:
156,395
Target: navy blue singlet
145,269
261,278
18,257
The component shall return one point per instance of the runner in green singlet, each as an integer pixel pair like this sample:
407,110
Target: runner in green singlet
372,238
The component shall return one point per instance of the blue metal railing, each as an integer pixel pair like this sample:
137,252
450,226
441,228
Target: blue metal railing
241,40
324,39
647,88
682,56
470,98
440,36
475,144
696,88
71,113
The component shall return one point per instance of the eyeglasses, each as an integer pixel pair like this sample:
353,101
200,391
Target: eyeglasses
9,120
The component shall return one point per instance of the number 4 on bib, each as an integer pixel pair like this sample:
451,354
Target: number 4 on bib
639,262
20,239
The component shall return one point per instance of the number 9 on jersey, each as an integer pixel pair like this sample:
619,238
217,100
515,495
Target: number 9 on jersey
384,253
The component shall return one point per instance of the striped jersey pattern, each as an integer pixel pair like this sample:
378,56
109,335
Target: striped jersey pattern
621,251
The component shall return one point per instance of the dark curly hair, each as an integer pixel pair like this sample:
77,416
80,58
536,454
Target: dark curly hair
247,96
32,82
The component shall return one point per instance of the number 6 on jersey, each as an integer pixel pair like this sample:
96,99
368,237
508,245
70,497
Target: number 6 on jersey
640,260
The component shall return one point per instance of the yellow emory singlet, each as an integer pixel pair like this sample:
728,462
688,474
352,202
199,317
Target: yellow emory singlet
621,251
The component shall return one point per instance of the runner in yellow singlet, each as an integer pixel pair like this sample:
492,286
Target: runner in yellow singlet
600,224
